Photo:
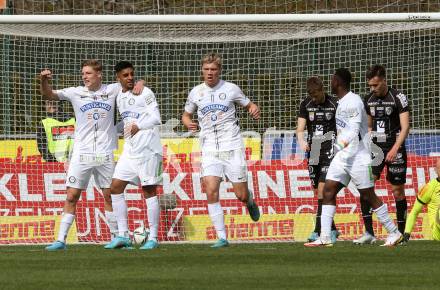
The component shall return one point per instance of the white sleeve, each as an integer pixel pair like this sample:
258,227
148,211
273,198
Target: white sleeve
150,120
353,117
113,88
66,94
152,117
190,106
239,98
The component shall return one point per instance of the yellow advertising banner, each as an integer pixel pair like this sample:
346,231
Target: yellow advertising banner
289,227
174,146
32,229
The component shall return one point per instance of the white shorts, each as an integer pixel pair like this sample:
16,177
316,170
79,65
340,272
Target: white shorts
140,171
82,166
360,174
231,164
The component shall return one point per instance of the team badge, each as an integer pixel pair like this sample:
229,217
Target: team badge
104,97
328,116
222,96
372,111
311,116
388,110
131,101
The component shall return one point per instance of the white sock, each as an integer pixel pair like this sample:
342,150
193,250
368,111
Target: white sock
385,219
217,217
66,222
112,223
327,215
153,213
119,214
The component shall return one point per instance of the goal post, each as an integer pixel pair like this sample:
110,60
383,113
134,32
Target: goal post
269,56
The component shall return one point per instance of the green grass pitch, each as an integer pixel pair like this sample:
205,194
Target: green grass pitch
241,266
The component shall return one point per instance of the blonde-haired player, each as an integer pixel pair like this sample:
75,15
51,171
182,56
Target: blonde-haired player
220,139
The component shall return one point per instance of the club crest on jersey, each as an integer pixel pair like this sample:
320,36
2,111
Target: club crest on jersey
222,96
131,101
373,111
328,116
388,110
311,116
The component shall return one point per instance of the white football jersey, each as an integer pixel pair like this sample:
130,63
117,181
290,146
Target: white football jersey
352,123
218,121
144,111
95,131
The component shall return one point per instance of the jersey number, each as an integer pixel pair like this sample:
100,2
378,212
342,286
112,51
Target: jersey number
380,126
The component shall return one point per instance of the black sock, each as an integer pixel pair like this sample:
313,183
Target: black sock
367,216
318,217
401,208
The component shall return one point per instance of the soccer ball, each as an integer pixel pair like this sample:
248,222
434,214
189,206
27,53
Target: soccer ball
140,235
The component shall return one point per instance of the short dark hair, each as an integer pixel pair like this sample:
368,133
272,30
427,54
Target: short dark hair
123,65
376,70
345,76
315,83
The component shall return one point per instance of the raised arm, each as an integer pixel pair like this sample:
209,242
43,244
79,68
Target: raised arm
45,88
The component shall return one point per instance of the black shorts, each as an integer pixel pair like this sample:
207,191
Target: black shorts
396,170
318,172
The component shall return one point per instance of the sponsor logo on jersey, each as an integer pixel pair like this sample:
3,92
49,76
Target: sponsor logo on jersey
222,96
213,117
328,116
213,108
129,114
149,99
131,101
348,113
95,105
104,97
403,100
388,110
340,123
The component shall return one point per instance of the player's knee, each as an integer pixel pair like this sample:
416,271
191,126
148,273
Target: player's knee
149,191
72,199
398,192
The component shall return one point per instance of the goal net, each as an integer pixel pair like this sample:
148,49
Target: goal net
269,62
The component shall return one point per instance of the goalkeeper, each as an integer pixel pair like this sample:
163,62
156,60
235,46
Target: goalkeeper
428,196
